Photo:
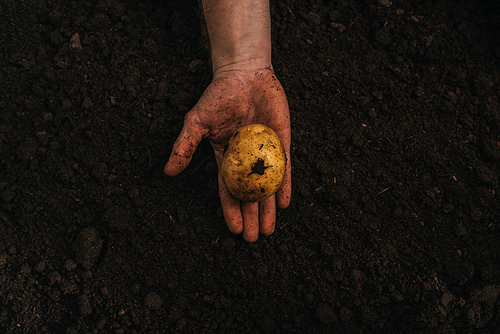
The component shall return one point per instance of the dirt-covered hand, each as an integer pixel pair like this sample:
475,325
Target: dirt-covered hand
232,100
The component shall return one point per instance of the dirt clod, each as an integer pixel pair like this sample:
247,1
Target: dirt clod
87,247
153,301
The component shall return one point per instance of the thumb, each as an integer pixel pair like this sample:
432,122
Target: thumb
184,147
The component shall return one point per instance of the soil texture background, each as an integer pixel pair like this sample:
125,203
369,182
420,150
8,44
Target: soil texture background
395,217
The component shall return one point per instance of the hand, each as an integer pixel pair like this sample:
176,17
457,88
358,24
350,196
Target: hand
232,100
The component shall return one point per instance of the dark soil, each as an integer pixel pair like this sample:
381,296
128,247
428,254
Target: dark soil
394,225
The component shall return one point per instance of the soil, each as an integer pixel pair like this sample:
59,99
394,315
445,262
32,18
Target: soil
395,218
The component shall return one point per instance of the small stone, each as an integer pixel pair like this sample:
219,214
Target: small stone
153,301
75,42
447,298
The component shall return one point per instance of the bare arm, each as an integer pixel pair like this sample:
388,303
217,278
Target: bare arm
240,34
244,90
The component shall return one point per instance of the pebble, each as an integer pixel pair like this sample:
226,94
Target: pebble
447,298
153,301
75,42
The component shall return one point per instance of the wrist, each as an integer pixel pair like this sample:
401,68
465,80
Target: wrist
240,34
240,61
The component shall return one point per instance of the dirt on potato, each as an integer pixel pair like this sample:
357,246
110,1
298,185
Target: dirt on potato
394,220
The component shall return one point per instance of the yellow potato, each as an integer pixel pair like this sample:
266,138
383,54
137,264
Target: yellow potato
253,166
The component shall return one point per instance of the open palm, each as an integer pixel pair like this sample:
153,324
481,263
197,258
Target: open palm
232,100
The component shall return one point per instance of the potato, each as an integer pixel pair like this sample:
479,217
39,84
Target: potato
253,166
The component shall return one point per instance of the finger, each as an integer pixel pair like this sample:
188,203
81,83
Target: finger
250,213
284,194
280,122
267,215
230,208
184,147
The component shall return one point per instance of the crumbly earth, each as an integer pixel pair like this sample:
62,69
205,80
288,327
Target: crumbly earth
395,218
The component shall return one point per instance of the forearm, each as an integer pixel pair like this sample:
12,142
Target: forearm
240,34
